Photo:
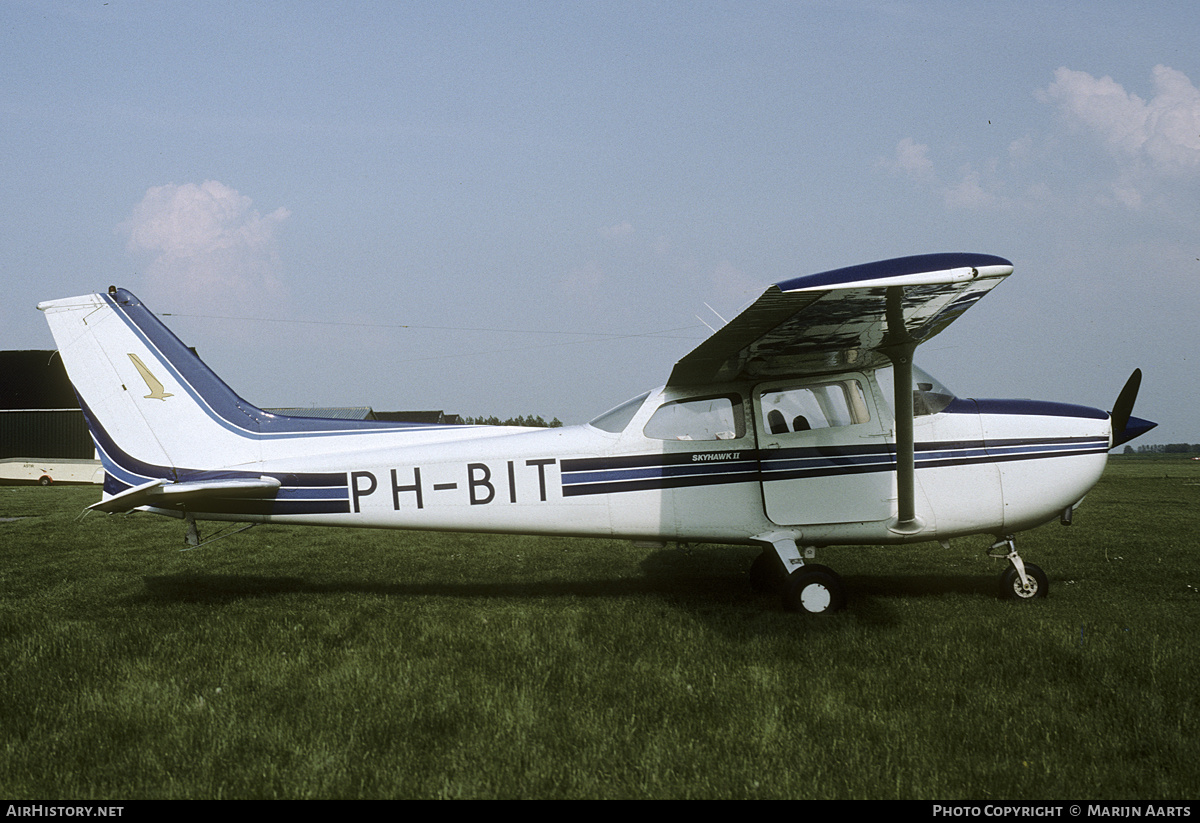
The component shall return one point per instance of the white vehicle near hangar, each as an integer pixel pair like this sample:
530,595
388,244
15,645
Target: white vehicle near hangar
800,424
31,470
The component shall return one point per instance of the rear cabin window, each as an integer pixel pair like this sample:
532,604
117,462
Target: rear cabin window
822,406
712,418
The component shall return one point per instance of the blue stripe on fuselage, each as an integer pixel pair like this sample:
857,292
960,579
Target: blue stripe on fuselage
300,492
649,472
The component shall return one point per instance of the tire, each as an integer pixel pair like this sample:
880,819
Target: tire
1010,584
814,589
45,480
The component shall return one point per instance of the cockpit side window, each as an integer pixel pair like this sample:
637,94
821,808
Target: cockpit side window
814,406
710,418
930,396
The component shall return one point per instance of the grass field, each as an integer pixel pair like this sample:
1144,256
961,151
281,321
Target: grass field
298,663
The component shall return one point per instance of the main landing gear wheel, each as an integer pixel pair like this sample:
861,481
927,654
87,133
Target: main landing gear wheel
1011,588
814,589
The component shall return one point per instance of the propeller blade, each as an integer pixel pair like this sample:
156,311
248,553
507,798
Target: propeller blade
1123,409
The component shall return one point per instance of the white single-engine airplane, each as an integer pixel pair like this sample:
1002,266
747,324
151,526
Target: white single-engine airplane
780,431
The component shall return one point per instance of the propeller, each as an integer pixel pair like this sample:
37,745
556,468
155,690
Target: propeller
1125,427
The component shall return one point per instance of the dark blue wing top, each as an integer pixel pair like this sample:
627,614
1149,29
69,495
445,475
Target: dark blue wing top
838,320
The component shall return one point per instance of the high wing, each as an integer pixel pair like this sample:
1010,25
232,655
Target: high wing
842,319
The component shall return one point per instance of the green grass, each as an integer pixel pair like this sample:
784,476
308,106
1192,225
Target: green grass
334,663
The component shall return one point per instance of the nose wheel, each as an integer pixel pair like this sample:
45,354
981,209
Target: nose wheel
1035,585
1021,580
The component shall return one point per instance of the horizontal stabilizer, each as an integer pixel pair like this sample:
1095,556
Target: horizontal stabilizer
165,494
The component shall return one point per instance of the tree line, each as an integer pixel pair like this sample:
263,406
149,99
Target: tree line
1164,448
532,420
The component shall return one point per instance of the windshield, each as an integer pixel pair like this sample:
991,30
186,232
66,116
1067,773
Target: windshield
930,395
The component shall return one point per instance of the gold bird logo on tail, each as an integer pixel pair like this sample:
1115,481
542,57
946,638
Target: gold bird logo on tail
152,382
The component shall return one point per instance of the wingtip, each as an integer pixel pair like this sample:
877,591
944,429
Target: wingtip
920,269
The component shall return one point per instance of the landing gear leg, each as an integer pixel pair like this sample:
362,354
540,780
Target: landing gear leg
1021,581
807,587
192,538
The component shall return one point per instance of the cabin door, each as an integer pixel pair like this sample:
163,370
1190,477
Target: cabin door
824,455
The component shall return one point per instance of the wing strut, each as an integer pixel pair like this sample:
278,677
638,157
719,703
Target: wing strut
899,347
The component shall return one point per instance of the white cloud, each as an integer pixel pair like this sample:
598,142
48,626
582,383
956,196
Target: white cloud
1154,145
207,237
969,193
1163,132
1021,149
619,230
1128,196
912,159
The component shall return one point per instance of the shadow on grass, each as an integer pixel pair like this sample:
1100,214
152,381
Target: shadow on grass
694,581
213,588
926,585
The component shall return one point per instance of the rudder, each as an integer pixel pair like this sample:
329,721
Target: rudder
154,409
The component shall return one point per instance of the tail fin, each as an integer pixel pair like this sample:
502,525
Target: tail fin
154,409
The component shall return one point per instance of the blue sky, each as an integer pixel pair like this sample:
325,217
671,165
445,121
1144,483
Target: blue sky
523,208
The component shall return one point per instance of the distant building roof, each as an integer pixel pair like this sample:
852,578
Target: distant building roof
37,380
329,413
431,417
